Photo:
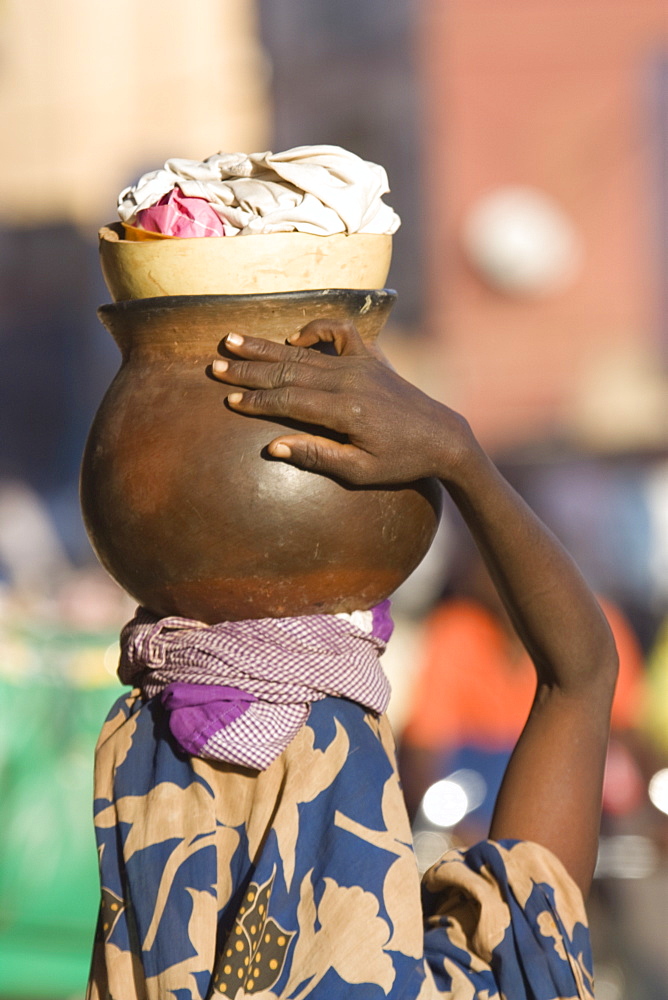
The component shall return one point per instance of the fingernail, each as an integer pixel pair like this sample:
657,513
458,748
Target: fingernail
234,338
235,397
219,366
281,450
293,337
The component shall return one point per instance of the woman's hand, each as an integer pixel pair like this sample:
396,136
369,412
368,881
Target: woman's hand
390,431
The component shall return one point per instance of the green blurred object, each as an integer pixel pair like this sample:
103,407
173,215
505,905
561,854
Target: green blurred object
54,696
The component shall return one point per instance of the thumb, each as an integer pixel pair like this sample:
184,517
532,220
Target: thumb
342,333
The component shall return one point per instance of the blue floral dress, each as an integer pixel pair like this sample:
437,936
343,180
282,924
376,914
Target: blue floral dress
300,881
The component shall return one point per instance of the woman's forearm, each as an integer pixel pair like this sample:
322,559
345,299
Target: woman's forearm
551,793
550,604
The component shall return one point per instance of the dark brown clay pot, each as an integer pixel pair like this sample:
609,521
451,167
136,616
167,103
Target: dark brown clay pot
181,502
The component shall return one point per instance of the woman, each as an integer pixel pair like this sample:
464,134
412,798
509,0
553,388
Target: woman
311,888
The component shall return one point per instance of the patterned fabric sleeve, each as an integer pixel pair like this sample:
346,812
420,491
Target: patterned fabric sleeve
505,920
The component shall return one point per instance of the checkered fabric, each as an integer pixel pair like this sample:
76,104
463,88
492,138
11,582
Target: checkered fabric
240,691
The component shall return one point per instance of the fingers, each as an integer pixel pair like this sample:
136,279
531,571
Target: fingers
265,364
272,374
318,454
290,381
306,406
258,349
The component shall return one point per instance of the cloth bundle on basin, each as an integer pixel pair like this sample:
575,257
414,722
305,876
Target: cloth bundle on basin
322,190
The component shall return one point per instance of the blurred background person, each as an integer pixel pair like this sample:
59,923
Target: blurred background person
474,688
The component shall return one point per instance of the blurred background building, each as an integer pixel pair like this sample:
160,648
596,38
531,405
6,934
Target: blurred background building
547,252
527,151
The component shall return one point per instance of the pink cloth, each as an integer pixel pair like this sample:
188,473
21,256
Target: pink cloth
176,215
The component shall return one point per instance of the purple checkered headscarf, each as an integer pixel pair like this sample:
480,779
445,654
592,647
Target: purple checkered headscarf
240,691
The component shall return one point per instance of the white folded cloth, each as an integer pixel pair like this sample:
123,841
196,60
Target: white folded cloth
321,190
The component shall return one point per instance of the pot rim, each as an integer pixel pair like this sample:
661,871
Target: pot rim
375,296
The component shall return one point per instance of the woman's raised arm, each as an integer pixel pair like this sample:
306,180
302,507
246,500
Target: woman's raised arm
388,431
